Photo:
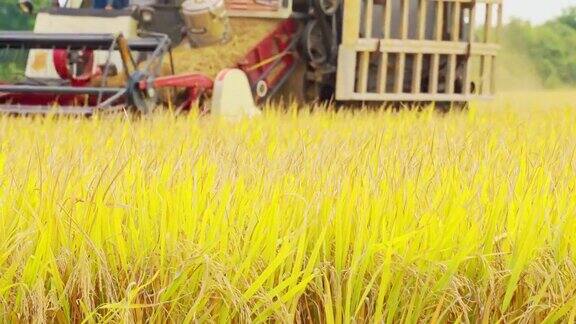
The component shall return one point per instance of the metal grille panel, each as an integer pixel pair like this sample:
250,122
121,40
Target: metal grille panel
418,50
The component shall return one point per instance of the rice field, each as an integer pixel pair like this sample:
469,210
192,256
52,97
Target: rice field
297,216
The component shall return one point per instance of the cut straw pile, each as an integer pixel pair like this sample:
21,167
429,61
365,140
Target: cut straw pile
209,60
246,33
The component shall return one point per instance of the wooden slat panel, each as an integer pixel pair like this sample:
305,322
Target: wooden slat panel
387,19
401,61
346,71
422,11
452,64
433,47
435,68
405,18
418,59
382,73
488,23
383,64
363,71
485,61
367,44
434,74
369,18
471,34
354,79
364,63
351,28
399,73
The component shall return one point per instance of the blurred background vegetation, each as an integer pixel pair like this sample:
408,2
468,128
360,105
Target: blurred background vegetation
542,56
11,18
532,57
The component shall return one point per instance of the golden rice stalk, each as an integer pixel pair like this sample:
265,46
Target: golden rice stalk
298,216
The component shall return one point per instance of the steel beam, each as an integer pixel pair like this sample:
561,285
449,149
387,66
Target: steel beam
59,90
31,40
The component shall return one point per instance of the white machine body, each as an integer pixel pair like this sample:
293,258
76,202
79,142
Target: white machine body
232,97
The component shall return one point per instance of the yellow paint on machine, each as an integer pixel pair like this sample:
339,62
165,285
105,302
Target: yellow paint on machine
39,61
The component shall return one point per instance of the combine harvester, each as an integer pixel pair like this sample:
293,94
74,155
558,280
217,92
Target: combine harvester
234,55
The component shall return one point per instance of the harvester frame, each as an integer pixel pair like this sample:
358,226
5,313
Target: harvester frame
450,38
385,51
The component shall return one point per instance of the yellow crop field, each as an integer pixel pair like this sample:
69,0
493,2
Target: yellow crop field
326,217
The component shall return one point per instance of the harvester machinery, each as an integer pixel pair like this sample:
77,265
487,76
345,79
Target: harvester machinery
81,58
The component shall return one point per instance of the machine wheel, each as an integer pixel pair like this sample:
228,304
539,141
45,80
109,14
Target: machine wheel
327,7
143,100
313,44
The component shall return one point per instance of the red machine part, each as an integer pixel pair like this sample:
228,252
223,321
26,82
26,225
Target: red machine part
40,99
195,84
272,59
62,64
190,81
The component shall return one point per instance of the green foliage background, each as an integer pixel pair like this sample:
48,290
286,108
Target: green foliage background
11,61
11,18
539,56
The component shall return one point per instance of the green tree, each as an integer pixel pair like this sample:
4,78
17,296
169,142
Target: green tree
550,47
11,18
568,17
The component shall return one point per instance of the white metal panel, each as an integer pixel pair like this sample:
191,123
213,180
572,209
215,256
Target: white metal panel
40,64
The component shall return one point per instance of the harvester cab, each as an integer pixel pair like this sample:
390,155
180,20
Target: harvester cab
236,54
